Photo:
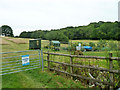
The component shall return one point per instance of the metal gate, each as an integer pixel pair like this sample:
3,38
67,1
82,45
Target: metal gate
18,61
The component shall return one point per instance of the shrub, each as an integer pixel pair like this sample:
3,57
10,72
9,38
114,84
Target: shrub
46,47
112,45
101,44
91,44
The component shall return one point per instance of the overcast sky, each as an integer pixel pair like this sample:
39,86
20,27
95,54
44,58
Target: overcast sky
30,15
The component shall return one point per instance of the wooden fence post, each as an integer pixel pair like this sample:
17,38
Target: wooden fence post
71,67
111,67
48,61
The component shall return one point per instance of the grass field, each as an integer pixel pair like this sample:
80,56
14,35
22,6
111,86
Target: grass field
18,44
38,79
45,79
33,78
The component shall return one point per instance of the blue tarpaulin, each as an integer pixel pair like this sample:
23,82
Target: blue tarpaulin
87,47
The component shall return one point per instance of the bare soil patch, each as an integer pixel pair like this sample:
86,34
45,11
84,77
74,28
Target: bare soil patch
18,40
4,42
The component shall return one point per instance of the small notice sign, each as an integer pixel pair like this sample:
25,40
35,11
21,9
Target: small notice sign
25,60
78,48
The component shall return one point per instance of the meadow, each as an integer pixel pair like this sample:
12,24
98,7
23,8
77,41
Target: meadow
33,78
46,79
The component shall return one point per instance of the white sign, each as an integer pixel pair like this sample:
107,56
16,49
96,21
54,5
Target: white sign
78,48
25,60
79,44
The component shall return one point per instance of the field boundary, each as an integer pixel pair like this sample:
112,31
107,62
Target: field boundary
110,70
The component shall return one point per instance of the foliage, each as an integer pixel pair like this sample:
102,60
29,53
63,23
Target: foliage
73,46
112,45
97,30
91,44
6,30
101,44
54,35
46,46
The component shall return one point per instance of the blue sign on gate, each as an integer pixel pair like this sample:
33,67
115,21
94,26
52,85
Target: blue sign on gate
25,60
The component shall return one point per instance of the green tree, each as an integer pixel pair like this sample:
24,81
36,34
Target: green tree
54,35
96,30
7,31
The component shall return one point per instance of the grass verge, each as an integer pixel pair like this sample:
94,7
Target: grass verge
38,79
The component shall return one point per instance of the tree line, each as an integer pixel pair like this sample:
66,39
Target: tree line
94,31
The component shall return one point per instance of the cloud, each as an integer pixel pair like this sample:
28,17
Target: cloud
49,14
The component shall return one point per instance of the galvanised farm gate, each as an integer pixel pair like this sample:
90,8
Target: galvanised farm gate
18,61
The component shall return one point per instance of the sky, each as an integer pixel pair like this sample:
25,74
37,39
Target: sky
30,15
